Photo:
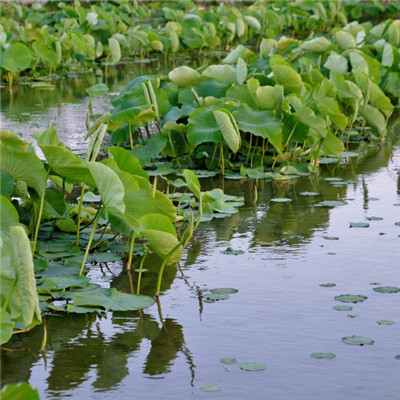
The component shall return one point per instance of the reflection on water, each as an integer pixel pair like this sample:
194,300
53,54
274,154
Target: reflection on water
280,315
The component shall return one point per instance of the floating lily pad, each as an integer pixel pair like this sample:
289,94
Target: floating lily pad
348,154
210,388
359,225
352,316
373,199
331,203
397,357
213,297
323,355
374,218
351,298
281,200
385,322
224,291
397,223
252,366
342,308
309,194
232,252
329,284
387,289
330,237
328,160
333,179
228,360
375,283
331,253
358,340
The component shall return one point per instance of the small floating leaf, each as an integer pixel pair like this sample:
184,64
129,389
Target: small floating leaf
327,284
385,322
323,355
331,253
351,298
359,225
330,237
373,199
348,154
211,298
397,223
374,218
224,291
342,308
352,315
358,340
397,356
387,289
309,194
228,360
252,366
331,203
281,200
210,388
333,179
232,252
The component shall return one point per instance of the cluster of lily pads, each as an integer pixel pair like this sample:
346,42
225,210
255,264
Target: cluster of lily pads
69,35
50,234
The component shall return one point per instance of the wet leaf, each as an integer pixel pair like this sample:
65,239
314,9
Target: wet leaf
327,284
387,289
331,203
224,291
323,355
342,308
309,194
112,300
351,298
211,298
210,388
358,340
281,200
228,360
385,322
252,366
359,225
374,218
232,252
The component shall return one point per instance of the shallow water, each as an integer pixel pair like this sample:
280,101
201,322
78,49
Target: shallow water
279,316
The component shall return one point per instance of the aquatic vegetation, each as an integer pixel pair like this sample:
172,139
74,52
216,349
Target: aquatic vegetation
319,356
358,340
253,366
116,197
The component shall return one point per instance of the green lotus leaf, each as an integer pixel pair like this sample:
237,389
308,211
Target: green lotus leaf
316,45
16,58
260,123
228,128
184,76
358,340
252,366
23,166
288,78
109,185
97,90
221,73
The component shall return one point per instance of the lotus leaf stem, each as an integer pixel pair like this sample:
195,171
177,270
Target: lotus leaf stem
79,213
90,242
140,270
129,264
39,218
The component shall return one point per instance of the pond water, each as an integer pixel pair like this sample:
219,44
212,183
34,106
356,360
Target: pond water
280,314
